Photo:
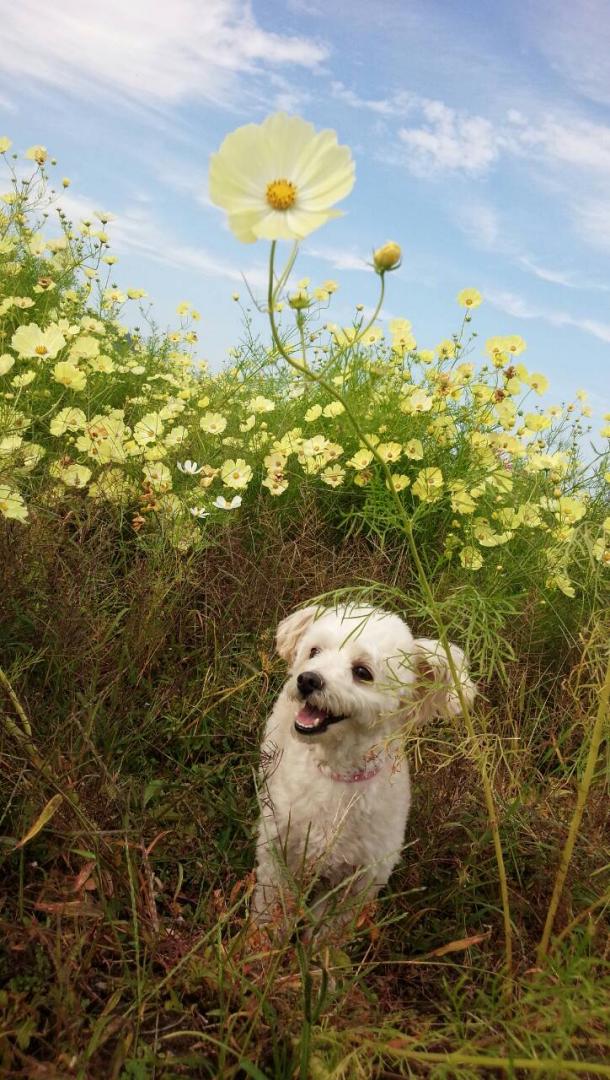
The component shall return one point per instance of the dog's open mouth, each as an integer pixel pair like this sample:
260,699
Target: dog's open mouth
311,720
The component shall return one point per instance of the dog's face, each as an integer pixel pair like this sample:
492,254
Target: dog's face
358,668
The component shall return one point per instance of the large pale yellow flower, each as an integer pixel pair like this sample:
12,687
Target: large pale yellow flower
278,180
428,484
213,423
69,375
235,474
29,341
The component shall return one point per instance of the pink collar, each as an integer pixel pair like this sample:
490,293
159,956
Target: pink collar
365,773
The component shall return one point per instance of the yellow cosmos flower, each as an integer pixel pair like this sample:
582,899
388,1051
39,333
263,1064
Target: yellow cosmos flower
417,402
24,379
148,429
84,347
538,382
562,582
414,449
5,144
389,451
260,404
400,481
515,344
469,298
30,342
72,475
566,508
372,336
213,423
470,558
236,474
446,349
158,476
113,486
334,476
334,408
276,483
426,356
102,363
312,414
69,419
428,484
37,244
37,154
462,503
69,375
537,421
487,537
278,180
361,459
12,504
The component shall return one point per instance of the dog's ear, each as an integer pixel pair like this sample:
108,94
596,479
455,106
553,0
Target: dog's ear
291,629
435,691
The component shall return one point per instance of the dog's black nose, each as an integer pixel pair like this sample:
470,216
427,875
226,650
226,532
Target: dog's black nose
308,681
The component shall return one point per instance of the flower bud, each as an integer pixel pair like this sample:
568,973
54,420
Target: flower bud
387,257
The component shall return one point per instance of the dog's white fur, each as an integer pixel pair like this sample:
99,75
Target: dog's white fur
335,802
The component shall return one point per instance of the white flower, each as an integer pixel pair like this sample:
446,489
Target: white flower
278,180
222,503
198,511
190,467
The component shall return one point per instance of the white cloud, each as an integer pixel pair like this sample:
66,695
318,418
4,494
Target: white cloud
338,258
396,105
145,51
450,140
560,277
519,308
555,277
564,139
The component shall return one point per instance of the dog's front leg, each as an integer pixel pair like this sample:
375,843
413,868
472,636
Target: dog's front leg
341,905
267,896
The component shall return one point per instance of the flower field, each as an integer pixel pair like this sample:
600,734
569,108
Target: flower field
157,517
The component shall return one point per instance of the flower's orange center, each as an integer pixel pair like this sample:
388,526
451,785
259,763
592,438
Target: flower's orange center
281,194
41,350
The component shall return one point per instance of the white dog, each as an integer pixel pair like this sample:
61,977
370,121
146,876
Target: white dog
335,789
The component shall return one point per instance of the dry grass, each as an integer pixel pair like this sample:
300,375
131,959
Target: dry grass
126,951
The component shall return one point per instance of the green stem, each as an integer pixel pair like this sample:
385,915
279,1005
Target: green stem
583,793
479,752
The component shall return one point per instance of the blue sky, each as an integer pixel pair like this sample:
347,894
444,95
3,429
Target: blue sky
481,134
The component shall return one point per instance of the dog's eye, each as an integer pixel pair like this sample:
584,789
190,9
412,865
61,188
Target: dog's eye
313,652
362,673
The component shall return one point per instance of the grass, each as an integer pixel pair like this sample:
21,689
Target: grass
126,949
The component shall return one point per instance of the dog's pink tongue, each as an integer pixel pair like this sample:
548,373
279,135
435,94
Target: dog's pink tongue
310,717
